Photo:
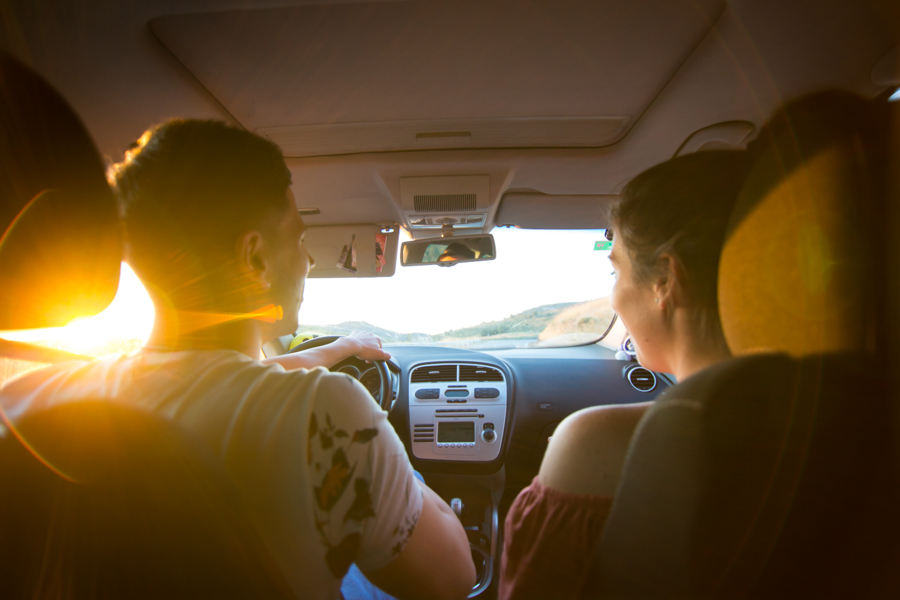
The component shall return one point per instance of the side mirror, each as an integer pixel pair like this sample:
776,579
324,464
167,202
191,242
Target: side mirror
446,252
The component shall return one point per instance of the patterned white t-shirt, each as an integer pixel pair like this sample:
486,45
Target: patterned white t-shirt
322,472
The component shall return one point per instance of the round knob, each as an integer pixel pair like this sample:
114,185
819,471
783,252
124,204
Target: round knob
456,506
488,435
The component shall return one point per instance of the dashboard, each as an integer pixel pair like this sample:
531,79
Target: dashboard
513,400
476,424
467,412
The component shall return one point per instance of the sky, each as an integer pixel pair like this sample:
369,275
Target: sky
532,268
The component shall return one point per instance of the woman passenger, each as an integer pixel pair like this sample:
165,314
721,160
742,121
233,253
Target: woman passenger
668,231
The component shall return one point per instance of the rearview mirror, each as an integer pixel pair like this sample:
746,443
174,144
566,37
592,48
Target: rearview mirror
446,252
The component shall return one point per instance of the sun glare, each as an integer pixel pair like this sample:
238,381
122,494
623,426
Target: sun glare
122,327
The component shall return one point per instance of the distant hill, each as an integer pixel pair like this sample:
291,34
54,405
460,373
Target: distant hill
588,318
348,327
529,323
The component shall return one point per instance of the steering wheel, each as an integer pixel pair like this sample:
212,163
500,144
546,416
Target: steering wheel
385,389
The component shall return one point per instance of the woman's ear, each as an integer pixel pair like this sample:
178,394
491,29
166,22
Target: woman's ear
255,259
669,285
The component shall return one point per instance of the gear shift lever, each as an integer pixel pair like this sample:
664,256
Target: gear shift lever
456,506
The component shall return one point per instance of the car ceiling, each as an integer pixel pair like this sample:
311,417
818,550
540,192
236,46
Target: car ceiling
561,97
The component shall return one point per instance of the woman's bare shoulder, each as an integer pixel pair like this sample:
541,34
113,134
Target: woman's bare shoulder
587,450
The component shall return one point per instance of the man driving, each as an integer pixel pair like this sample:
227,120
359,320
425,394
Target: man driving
214,234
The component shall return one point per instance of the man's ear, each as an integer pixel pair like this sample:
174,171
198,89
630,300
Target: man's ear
254,257
669,285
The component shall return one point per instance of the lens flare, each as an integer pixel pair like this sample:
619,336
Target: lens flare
31,450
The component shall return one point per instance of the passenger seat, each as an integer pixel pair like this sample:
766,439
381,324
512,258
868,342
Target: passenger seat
772,474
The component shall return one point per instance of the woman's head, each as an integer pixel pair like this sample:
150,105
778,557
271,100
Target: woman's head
669,227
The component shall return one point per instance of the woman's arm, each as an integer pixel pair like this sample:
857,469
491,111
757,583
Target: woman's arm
361,344
555,523
587,450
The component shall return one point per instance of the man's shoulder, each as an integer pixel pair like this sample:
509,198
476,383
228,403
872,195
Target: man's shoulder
36,378
341,391
271,386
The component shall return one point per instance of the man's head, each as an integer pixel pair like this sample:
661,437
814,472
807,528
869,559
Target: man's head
210,220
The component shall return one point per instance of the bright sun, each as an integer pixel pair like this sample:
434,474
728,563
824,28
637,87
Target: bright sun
123,326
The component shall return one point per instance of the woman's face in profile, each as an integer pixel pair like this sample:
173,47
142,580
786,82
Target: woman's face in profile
634,300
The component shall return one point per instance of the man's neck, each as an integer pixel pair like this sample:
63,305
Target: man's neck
175,330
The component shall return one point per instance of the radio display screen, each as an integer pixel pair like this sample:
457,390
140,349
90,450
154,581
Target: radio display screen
450,432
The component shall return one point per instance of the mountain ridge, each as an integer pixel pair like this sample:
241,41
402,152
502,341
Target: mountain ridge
527,323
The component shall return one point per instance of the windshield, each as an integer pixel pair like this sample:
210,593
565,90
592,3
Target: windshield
545,288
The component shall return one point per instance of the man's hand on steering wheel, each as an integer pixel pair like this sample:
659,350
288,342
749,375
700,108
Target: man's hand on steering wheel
364,346
361,344
328,350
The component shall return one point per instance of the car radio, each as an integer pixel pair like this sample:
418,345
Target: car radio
457,411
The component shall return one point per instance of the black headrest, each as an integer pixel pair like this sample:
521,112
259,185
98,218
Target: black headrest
61,249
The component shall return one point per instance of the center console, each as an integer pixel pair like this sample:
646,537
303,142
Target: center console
475,501
457,411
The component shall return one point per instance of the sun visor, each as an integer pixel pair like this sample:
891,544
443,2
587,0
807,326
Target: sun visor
61,248
546,211
352,251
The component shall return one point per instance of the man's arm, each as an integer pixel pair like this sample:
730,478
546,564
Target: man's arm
436,562
361,344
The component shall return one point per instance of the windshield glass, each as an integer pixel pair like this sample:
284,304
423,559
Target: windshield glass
545,288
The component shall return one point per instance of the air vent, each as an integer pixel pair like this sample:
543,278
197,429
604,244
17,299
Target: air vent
479,373
444,202
641,379
433,374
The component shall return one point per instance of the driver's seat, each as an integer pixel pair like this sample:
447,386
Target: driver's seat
771,475
102,501
96,500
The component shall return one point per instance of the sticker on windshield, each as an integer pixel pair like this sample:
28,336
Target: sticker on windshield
602,245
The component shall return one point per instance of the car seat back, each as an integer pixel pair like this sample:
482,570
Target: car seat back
770,475
102,501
